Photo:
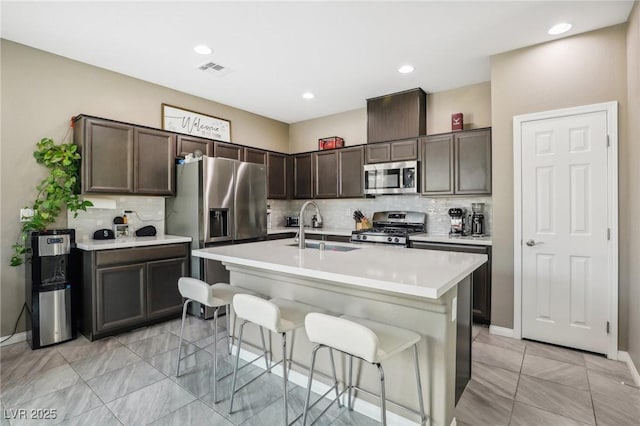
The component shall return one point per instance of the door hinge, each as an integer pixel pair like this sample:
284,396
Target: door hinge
608,141
607,327
608,234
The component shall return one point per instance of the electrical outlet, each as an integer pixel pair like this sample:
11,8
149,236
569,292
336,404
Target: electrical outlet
26,214
348,212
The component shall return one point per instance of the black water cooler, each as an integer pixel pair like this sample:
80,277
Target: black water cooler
49,288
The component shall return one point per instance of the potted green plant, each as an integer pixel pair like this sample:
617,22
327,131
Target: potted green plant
57,190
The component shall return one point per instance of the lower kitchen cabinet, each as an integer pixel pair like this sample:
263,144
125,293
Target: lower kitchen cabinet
122,289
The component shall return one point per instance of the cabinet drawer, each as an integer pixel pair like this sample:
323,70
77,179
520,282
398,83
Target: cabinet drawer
140,254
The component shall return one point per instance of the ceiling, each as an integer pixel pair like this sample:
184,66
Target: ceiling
343,52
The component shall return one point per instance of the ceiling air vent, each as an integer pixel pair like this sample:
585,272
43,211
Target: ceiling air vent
214,69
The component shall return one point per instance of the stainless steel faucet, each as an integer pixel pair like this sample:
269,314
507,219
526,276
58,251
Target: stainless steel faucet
301,243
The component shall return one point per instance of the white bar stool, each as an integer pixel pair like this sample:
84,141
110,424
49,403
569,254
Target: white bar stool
214,296
278,315
370,341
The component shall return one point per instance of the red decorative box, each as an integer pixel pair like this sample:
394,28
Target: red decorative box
456,121
330,143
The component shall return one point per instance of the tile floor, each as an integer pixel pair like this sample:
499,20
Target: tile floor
130,379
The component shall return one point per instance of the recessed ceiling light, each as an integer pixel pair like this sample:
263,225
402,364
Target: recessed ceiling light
308,95
202,49
560,28
405,69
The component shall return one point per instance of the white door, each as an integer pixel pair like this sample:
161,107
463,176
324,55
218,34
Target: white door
565,280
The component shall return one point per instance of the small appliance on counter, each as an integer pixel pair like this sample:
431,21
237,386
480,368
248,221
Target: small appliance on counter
477,220
393,227
457,215
316,221
50,319
292,221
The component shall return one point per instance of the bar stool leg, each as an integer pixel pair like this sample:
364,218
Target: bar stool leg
215,354
335,377
306,401
284,377
235,369
264,350
423,416
349,401
227,313
184,316
383,399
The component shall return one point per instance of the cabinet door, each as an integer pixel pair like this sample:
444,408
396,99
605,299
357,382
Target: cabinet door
473,162
303,176
350,172
277,175
154,171
437,165
227,150
378,153
108,157
254,155
119,296
396,116
163,297
326,174
404,150
189,144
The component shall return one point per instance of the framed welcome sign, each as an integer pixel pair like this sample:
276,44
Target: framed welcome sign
193,123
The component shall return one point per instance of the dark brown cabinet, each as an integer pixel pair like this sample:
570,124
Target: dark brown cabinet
227,150
456,163
326,174
154,156
405,150
303,176
191,144
350,175
255,155
277,175
127,288
124,159
397,116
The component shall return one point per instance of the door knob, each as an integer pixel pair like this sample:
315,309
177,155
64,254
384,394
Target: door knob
531,243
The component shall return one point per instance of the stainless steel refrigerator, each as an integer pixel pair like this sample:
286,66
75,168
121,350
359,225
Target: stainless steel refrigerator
218,201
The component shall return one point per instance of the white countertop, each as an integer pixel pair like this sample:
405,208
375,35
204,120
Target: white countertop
91,245
421,273
307,230
436,238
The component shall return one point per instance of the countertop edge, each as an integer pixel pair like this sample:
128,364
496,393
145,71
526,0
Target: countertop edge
95,245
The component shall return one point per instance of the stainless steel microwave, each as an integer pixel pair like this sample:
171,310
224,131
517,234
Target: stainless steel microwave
391,178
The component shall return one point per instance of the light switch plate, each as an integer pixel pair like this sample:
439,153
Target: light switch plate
454,309
26,214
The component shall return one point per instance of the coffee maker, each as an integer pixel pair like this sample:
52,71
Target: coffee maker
477,219
457,215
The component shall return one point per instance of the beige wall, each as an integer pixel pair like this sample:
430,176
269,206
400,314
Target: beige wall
473,101
585,69
633,182
40,93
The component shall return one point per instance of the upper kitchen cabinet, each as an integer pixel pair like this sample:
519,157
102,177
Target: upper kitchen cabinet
277,175
303,175
255,155
326,174
120,158
405,150
397,116
456,163
190,144
227,150
350,176
154,158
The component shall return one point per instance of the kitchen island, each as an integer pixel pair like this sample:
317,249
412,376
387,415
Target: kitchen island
413,289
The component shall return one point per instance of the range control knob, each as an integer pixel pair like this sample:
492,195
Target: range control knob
389,239
358,237
364,237
396,239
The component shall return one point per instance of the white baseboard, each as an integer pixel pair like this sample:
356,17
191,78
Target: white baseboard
625,357
18,337
502,331
359,405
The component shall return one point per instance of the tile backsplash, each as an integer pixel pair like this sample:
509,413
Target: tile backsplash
338,213
147,211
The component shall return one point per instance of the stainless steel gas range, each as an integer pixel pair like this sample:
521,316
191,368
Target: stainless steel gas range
392,227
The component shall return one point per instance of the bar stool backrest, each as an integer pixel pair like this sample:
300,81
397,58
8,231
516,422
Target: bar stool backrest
194,289
257,310
342,334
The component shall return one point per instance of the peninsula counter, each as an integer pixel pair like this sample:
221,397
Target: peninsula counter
413,289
